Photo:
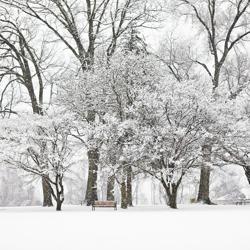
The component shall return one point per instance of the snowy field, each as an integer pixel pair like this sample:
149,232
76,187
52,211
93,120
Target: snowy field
192,227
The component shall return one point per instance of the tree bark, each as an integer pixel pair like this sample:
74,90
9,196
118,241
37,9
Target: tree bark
129,187
110,188
124,201
247,173
91,193
203,194
171,190
47,199
58,205
172,197
35,107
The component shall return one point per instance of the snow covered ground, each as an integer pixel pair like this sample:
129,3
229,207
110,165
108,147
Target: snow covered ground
191,227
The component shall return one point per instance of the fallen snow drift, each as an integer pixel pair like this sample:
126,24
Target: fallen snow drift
192,227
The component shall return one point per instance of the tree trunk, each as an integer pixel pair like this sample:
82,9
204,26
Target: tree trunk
124,201
216,78
129,187
171,190
137,190
247,173
203,194
47,200
35,107
58,205
110,188
91,193
172,197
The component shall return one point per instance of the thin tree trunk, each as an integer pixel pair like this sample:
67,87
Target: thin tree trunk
110,188
137,190
216,78
129,187
91,193
47,199
247,173
203,194
124,201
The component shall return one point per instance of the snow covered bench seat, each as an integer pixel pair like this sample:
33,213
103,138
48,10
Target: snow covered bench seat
104,204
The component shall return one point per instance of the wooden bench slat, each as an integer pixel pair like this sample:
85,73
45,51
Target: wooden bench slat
104,204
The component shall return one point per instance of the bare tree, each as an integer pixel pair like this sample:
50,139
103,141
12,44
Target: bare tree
176,54
235,74
103,22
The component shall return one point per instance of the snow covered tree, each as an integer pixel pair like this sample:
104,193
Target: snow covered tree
232,144
224,25
23,67
40,146
170,131
109,89
101,21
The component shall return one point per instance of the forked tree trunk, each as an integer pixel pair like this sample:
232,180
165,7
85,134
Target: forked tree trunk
124,201
91,193
171,191
203,194
110,188
47,199
129,186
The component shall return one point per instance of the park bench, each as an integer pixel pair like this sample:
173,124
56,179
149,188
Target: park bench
104,204
233,202
242,202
